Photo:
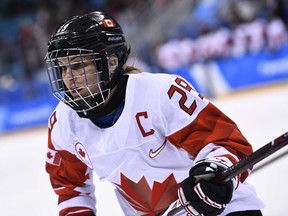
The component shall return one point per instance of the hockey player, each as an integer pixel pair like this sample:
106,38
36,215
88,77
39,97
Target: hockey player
151,135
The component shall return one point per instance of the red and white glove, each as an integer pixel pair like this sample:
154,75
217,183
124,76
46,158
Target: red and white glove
200,194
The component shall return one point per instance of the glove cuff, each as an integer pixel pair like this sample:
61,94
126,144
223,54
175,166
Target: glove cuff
185,203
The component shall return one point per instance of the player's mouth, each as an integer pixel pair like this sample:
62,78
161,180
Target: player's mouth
76,92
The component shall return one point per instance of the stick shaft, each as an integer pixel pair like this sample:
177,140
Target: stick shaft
253,158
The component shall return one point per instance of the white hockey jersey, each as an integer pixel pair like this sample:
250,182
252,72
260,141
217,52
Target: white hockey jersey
165,127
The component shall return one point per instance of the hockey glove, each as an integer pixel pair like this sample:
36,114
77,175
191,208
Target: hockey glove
200,194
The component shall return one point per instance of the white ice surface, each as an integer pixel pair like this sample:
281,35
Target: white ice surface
25,189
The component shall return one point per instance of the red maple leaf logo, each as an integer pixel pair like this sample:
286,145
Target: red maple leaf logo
82,153
49,155
142,198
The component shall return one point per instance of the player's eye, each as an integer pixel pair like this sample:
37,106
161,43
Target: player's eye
77,66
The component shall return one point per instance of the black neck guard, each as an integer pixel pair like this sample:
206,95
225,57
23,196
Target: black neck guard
116,99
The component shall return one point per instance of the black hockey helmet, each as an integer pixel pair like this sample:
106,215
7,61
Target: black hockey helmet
96,36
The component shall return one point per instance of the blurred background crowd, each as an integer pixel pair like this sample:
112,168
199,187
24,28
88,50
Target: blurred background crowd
164,34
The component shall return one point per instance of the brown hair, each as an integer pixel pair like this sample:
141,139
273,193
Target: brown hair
131,70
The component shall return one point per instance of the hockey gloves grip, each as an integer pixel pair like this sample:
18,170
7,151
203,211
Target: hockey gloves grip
200,195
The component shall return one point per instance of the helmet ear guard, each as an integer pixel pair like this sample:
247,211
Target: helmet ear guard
118,72
96,35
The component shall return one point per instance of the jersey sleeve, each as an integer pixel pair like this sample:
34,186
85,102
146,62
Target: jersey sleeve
72,181
199,127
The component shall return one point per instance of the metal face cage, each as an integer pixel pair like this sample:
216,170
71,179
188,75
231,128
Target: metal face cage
77,79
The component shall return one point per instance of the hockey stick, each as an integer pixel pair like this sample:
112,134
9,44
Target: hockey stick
239,167
270,161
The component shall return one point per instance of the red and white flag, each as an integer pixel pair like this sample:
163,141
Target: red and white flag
53,157
108,23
